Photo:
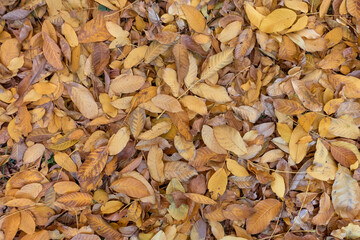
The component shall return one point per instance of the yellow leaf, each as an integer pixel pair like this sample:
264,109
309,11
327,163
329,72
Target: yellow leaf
236,169
101,196
200,198
108,108
324,167
194,104
64,187
278,20
297,5
64,161
299,25
217,183
135,56
194,18
27,222
254,16
69,34
298,150
116,30
278,185
111,207
20,202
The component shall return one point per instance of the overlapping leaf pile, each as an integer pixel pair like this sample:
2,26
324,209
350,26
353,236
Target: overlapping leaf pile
172,120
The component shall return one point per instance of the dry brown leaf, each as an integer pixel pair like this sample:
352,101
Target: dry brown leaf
52,52
266,210
155,164
230,139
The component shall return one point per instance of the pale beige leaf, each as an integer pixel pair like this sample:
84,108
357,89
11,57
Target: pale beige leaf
214,93
118,141
64,161
30,191
167,103
126,83
217,62
194,104
308,99
154,50
137,121
186,149
230,139
33,153
278,185
116,30
180,170
83,100
190,77
231,31
155,131
272,156
170,78
345,194
207,134
343,128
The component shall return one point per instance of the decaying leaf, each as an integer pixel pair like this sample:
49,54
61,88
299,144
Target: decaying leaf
171,120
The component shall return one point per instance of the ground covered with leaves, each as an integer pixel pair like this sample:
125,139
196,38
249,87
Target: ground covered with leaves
179,119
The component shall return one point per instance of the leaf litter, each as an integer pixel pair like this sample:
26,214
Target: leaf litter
157,120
